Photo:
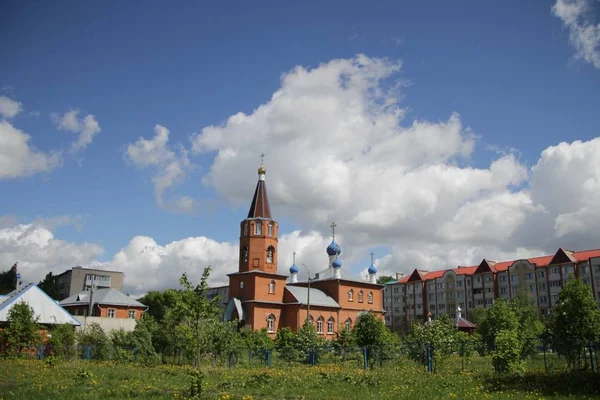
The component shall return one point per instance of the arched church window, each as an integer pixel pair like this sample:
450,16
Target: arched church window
245,253
348,323
320,325
360,296
270,252
330,322
245,229
351,295
258,228
271,323
272,287
370,297
271,229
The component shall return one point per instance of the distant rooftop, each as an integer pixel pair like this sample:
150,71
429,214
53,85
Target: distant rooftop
109,296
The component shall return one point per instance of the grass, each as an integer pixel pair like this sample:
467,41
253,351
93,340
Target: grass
33,379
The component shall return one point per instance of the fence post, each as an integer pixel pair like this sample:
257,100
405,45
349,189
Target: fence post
88,352
135,353
545,362
365,362
230,361
429,366
40,351
313,357
590,345
269,358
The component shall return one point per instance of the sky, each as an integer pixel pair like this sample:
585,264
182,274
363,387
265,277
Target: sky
433,133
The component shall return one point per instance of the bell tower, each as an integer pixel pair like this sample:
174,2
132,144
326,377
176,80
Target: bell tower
258,232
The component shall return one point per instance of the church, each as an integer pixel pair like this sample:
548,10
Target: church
261,297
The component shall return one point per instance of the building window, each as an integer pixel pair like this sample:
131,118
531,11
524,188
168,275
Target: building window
541,274
514,278
271,229
111,313
529,275
258,228
131,314
459,283
272,287
245,229
478,279
270,252
360,296
351,295
348,323
330,325
503,279
440,285
320,325
271,323
489,278
245,253
370,297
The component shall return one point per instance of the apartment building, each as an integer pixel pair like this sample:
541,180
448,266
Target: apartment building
414,296
80,279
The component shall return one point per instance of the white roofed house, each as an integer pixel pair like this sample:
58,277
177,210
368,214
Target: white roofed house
47,311
110,308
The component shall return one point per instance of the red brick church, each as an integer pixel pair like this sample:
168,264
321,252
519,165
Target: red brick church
261,297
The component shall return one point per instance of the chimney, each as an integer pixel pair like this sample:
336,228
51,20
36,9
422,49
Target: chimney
399,275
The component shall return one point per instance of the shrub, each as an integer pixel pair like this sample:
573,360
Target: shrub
94,337
62,339
506,358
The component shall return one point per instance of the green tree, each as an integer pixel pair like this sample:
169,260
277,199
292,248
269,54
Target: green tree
530,327
159,303
8,280
62,339
382,280
345,343
50,285
369,330
438,337
500,317
22,331
94,337
285,343
507,355
574,321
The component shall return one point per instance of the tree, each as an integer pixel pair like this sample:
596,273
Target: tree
159,302
382,280
50,285
530,327
62,339
94,338
438,338
507,355
368,330
499,317
574,321
345,343
8,280
22,331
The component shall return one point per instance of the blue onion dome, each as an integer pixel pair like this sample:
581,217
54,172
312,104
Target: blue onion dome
336,263
332,248
372,269
293,269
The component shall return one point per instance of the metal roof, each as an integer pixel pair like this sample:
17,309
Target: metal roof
317,297
46,310
107,296
328,273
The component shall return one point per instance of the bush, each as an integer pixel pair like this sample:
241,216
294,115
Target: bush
506,358
62,339
22,332
94,337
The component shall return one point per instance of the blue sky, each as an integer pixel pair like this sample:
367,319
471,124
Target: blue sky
509,69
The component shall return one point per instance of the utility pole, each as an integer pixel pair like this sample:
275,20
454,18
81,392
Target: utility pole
308,296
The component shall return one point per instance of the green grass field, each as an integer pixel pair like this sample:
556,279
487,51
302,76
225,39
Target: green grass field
33,379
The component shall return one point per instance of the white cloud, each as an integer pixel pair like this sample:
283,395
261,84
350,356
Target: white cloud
39,252
584,32
87,128
169,167
9,108
18,158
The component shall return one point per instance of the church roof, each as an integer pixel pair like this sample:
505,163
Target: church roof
260,207
317,297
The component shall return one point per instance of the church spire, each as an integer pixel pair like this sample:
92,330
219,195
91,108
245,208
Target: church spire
260,208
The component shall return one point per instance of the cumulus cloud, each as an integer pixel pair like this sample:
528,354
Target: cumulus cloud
9,107
170,168
87,127
18,158
584,32
39,252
